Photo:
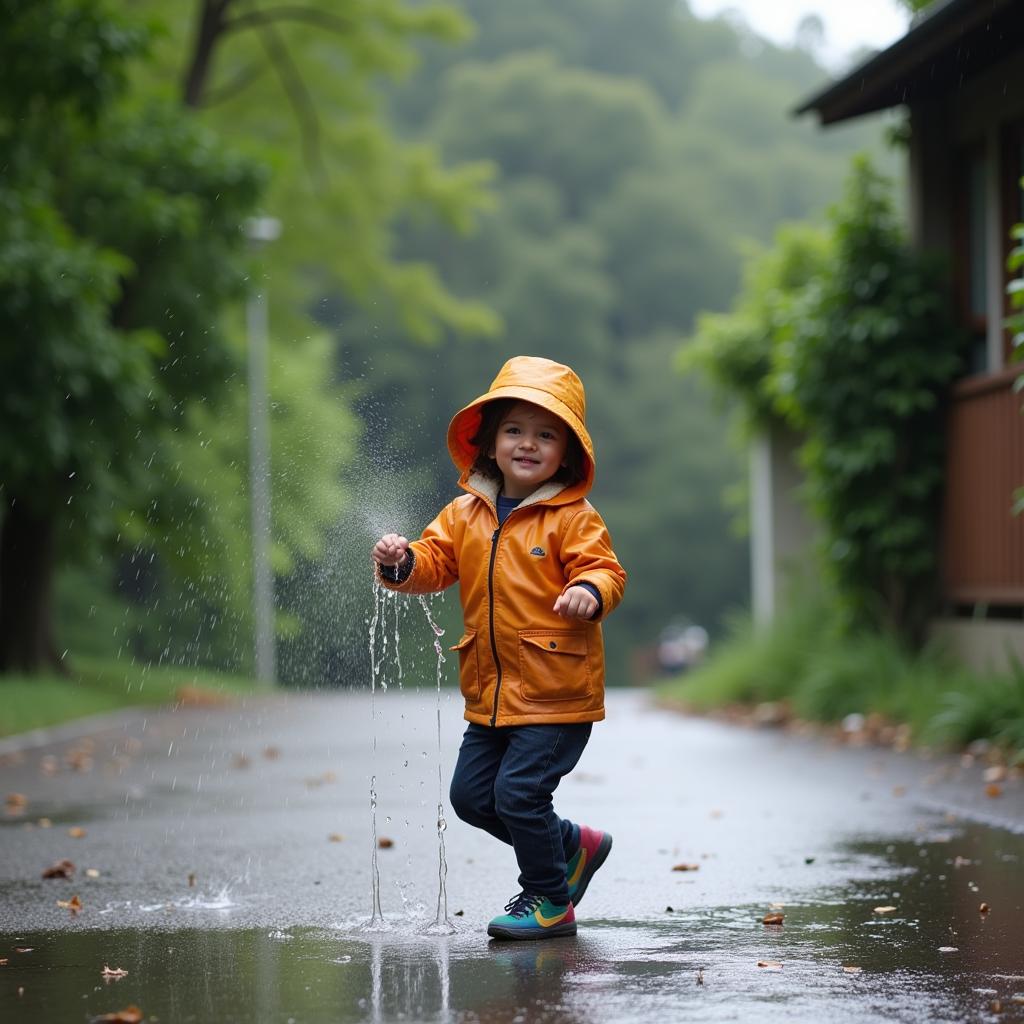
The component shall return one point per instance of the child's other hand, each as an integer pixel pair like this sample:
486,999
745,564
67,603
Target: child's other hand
576,603
391,549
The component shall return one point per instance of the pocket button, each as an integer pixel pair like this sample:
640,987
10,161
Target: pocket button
552,645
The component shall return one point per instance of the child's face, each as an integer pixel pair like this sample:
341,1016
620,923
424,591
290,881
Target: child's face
529,448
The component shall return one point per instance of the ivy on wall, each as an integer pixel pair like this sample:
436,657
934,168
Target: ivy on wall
1015,322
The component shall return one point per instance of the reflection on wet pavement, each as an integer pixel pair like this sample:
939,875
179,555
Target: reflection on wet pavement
881,894
936,957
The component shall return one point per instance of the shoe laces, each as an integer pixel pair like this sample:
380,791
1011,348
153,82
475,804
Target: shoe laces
524,904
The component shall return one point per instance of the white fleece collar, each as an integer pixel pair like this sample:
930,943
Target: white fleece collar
489,488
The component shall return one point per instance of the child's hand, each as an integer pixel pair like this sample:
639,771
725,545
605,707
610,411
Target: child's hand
576,603
391,549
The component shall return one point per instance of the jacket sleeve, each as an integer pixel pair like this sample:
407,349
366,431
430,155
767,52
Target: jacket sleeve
434,563
588,558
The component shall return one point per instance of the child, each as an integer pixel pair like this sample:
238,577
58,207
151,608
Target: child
536,574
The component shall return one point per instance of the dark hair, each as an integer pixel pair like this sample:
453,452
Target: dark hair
491,415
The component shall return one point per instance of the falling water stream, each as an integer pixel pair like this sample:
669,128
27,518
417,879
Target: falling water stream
441,920
442,923
376,917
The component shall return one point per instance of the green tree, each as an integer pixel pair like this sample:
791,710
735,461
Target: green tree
109,304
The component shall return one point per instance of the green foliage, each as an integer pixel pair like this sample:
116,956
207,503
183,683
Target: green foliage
849,340
736,350
991,709
299,88
98,685
108,304
811,666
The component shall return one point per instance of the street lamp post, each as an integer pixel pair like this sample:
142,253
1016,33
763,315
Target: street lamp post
260,230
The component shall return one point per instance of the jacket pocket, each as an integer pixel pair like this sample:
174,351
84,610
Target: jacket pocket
469,666
553,665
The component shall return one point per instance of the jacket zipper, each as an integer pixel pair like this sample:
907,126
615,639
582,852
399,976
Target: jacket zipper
494,640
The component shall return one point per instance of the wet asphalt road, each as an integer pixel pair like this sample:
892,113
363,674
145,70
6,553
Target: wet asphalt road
233,850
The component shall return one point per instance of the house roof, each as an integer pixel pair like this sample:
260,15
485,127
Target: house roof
949,44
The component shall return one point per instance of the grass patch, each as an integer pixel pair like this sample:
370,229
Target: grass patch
823,674
97,685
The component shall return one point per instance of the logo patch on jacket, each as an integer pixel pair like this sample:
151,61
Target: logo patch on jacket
539,552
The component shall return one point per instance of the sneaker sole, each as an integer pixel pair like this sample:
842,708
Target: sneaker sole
531,934
600,856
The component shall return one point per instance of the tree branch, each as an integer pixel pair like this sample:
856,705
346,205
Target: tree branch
309,15
209,28
241,81
300,100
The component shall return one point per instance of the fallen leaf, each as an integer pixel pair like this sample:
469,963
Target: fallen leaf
74,905
129,1015
773,918
79,759
384,843
91,873
993,789
686,867
984,908
271,753
62,869
240,761
113,972
852,970
899,790
774,965
191,879
16,803
335,837
995,1006
77,832
948,949
192,696
884,910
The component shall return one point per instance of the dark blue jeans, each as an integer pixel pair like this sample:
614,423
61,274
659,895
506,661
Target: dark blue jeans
503,782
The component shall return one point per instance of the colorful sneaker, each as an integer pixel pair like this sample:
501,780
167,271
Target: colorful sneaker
528,916
593,851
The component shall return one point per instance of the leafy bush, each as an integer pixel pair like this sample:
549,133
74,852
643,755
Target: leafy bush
820,671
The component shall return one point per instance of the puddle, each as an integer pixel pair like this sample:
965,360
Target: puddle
934,957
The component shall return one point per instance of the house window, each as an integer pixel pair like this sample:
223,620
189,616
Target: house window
972,249
1013,208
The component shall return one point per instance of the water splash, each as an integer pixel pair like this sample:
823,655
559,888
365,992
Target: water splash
441,921
376,916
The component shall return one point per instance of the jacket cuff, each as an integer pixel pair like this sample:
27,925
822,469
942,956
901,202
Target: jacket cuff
398,573
597,594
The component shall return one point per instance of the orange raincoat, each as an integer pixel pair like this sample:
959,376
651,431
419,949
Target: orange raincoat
519,662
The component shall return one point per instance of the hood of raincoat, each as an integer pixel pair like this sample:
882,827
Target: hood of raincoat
543,382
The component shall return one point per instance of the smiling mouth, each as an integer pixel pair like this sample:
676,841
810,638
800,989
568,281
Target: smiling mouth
527,462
